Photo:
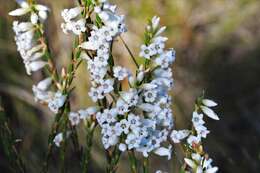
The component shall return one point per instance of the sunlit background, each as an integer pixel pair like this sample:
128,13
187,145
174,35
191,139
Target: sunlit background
218,51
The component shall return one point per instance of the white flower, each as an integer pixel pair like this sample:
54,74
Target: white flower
158,44
107,33
202,130
199,164
122,107
197,119
74,118
124,125
150,95
69,14
132,141
162,151
44,84
41,95
193,140
120,73
209,112
107,86
95,94
147,51
130,97
34,66
134,121
101,60
122,147
56,102
79,26
176,136
159,171
58,139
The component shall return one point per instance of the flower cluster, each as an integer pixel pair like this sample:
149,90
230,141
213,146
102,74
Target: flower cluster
141,117
100,41
72,24
138,118
32,51
55,100
200,164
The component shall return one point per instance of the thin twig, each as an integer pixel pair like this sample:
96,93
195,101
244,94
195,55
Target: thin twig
129,51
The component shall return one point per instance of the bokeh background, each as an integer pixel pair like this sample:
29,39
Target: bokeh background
218,51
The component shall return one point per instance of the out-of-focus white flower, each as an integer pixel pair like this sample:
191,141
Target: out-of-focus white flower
34,66
199,164
74,118
58,139
155,22
44,84
57,101
34,18
159,171
122,147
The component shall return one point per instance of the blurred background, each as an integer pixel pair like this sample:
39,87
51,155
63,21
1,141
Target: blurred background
218,51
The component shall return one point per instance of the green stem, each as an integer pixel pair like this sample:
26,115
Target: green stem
8,143
87,154
146,165
133,161
64,128
113,159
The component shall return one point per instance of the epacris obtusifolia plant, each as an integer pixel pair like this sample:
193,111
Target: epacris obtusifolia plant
138,119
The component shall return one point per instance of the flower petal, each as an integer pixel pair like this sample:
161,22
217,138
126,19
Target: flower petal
190,162
209,103
19,12
209,112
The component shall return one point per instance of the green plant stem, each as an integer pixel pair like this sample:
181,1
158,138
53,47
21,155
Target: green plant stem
64,129
8,143
133,161
146,165
113,159
87,153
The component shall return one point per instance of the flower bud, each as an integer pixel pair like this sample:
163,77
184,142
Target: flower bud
140,76
63,72
34,18
131,80
43,15
19,12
